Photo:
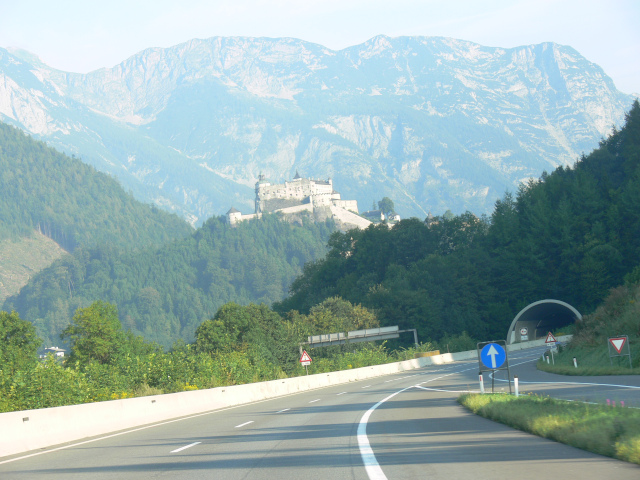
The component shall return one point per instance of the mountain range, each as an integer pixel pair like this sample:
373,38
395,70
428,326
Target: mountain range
433,123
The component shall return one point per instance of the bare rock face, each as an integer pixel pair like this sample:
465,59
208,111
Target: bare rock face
434,123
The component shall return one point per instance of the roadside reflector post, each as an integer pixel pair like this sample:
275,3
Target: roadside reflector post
547,359
481,383
575,362
515,384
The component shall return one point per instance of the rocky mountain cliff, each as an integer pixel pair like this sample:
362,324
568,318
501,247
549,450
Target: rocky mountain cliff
433,123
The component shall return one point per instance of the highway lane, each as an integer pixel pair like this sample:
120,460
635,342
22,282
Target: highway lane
414,429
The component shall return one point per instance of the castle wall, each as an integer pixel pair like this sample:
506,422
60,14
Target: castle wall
346,217
299,189
318,196
351,205
307,207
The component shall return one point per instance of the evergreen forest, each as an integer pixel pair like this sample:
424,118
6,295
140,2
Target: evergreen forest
165,293
71,203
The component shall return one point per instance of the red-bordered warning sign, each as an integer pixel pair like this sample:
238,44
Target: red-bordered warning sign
618,343
550,338
305,359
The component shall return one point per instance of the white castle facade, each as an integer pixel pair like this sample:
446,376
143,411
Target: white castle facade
300,195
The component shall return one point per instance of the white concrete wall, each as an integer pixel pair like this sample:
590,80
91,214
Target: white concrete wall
34,429
535,343
345,216
307,207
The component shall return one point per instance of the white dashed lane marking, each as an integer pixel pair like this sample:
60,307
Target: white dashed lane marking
243,424
185,447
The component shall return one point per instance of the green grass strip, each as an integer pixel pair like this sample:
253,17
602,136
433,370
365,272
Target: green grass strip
614,432
592,360
587,370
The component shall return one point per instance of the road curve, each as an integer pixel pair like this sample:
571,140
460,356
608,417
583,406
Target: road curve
400,426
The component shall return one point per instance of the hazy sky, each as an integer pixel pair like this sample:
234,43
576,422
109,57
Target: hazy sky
84,35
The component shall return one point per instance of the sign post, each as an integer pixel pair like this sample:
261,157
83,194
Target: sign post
619,347
492,356
551,341
305,360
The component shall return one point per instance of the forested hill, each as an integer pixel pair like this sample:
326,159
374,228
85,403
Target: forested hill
572,235
165,293
70,202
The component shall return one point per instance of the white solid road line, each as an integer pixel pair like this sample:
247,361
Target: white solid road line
447,391
185,447
243,424
371,465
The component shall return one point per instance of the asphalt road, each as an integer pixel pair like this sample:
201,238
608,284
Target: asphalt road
398,426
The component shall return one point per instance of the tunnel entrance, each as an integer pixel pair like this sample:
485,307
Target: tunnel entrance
538,318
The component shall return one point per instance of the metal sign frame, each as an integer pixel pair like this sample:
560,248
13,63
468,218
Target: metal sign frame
504,366
625,346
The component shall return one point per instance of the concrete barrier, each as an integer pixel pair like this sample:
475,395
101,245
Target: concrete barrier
35,429
535,343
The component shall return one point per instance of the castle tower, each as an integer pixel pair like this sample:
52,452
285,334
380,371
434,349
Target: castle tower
233,216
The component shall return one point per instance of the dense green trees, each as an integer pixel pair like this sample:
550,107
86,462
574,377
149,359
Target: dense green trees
18,344
386,206
95,334
255,329
241,344
165,293
71,202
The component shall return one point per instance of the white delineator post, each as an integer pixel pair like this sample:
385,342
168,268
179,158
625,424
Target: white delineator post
515,384
481,383
575,362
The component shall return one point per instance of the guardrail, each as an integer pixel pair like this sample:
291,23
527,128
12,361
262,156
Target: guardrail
35,429
366,335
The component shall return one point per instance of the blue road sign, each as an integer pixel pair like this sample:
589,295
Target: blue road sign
493,355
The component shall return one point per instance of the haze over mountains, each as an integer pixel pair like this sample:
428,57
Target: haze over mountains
433,123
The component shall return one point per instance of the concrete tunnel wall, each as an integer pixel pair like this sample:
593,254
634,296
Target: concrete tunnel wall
541,317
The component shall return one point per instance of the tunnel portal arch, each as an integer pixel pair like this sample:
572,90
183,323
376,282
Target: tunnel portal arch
538,318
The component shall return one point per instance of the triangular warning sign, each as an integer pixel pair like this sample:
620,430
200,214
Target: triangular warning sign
618,343
305,357
550,338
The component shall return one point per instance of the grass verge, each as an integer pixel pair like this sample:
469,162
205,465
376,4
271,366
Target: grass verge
614,432
592,360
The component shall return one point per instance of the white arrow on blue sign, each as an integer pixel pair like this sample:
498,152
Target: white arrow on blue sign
493,355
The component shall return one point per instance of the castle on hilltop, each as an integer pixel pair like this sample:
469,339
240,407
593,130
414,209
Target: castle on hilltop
302,195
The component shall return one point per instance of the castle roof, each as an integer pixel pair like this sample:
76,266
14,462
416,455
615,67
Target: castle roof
232,210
